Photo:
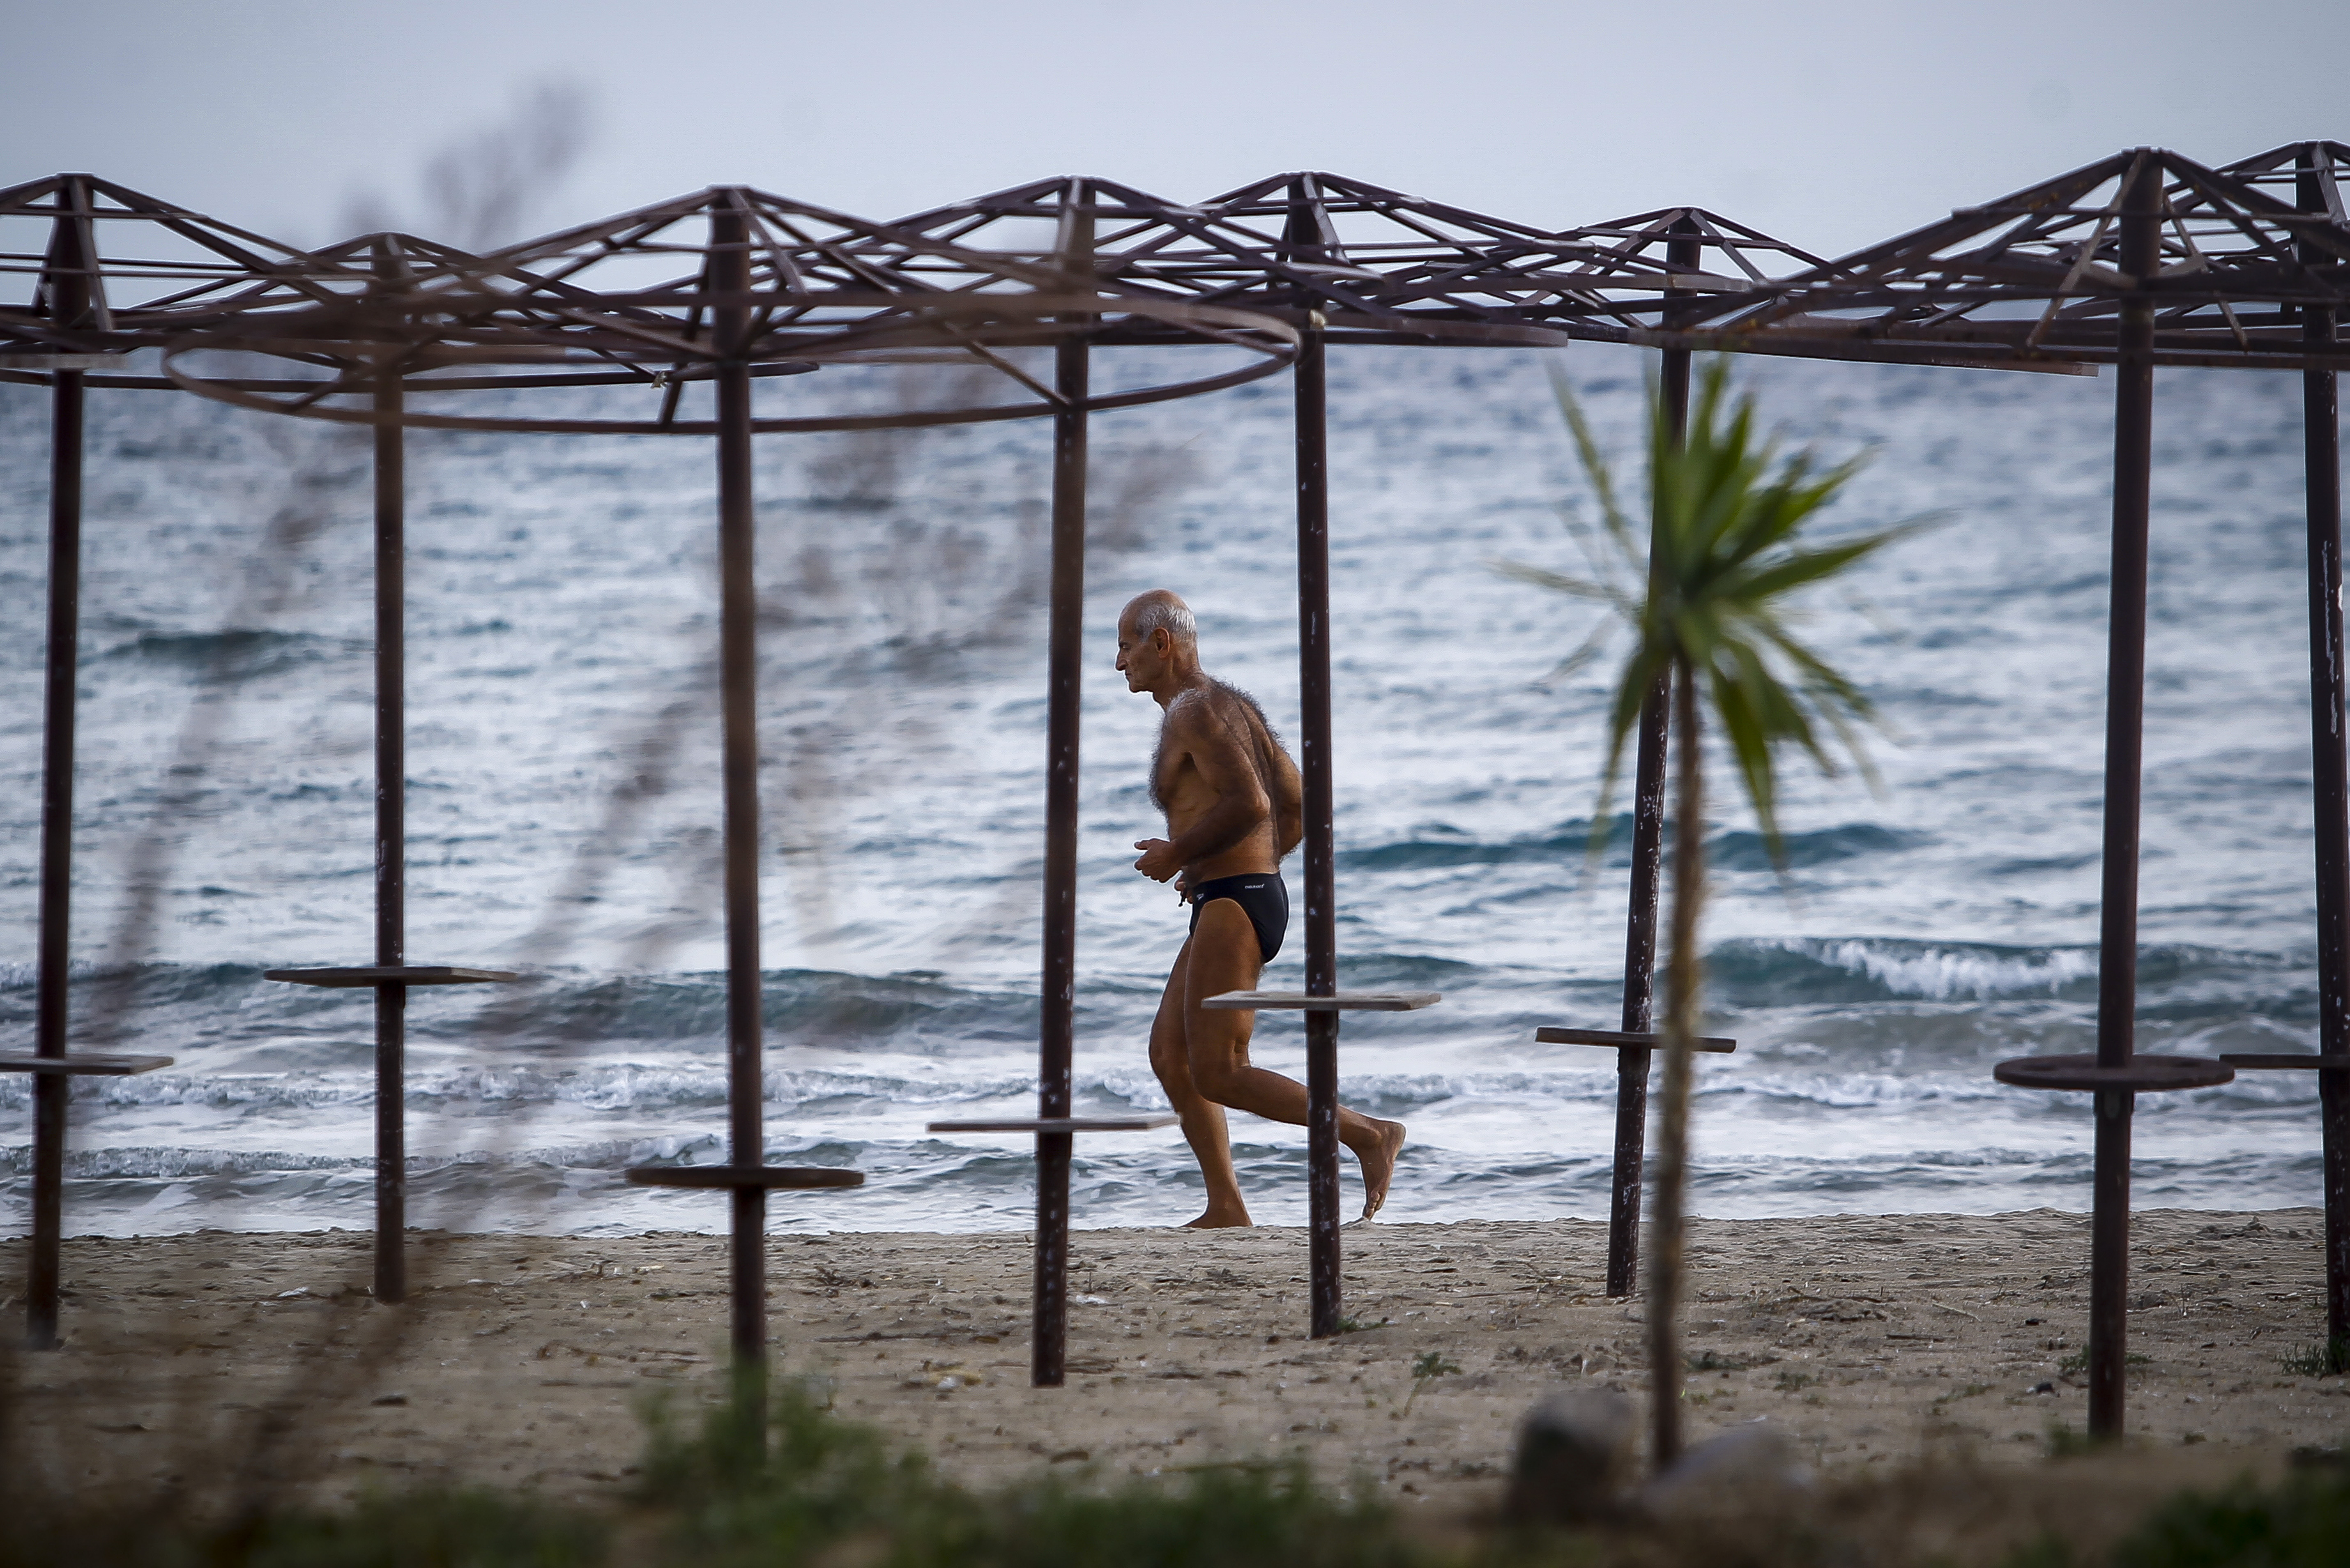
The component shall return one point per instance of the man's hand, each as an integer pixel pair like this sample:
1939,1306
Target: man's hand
1158,860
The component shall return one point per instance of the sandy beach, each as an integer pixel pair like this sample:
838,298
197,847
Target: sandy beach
526,1361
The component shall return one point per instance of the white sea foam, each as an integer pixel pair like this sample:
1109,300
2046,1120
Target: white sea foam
1948,973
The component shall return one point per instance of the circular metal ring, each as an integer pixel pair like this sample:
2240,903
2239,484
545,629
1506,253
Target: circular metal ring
970,327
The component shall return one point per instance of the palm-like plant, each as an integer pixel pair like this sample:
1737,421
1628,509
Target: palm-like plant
1706,603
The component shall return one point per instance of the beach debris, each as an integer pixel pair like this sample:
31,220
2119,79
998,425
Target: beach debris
1744,1469
389,1399
946,1377
832,1279
1574,1460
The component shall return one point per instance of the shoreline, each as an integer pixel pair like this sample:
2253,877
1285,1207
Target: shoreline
782,1231
524,1360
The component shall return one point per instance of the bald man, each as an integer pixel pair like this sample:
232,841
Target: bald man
1234,809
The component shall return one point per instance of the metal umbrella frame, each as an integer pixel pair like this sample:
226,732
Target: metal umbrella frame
1354,262
2223,268
2144,258
776,288
116,268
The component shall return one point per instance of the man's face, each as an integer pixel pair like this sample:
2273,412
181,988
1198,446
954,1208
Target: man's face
1142,657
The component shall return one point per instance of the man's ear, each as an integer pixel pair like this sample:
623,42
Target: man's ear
1162,641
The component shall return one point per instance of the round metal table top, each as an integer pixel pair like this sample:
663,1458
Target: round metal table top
2140,1074
730,1177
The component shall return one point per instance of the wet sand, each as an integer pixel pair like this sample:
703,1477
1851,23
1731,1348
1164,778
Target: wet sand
526,1360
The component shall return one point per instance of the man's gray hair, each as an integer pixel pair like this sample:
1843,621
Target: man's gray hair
1171,615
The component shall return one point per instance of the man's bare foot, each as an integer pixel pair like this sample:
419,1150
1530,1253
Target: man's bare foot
1378,1166
1214,1221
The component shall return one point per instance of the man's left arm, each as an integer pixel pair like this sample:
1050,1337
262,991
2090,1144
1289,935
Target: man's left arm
1288,804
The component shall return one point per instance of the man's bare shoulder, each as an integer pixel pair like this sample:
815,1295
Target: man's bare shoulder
1193,712
1213,714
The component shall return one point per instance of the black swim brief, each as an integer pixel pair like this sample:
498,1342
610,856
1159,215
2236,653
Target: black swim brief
1261,897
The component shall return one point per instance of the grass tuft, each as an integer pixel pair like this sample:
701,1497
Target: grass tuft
2066,1441
2303,1522
2331,1359
825,1488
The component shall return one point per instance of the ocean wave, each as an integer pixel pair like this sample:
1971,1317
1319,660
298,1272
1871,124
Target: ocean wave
191,1005
1406,971
176,1164
633,1087
232,654
1741,849
194,1008
1766,971
1437,846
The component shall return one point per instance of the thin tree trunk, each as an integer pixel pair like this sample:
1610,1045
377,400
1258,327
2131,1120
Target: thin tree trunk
1667,1227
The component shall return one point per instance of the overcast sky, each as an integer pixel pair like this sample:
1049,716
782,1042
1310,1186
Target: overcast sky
1829,122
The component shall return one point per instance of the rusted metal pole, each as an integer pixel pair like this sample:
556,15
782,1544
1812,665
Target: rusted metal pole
1317,771
50,1089
2125,742
390,838
1632,1063
2330,779
1065,680
738,684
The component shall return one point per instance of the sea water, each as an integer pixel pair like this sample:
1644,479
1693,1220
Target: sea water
563,804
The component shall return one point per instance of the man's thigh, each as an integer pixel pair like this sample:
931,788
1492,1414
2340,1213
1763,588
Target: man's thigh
1222,955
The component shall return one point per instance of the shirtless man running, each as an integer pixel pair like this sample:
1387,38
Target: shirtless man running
1234,808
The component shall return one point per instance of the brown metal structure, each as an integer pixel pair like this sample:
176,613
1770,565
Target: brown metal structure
2043,276
1379,265
727,286
2145,258
2313,172
237,284
389,259
2140,259
89,268
1348,261
644,299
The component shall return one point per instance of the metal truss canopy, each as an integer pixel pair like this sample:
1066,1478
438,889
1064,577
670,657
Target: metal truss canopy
89,267
2038,275
666,295
1370,264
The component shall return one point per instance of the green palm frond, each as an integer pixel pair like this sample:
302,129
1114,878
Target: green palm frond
1713,583
1559,582
1586,448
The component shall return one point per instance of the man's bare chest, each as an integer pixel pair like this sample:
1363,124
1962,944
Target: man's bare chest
1177,785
